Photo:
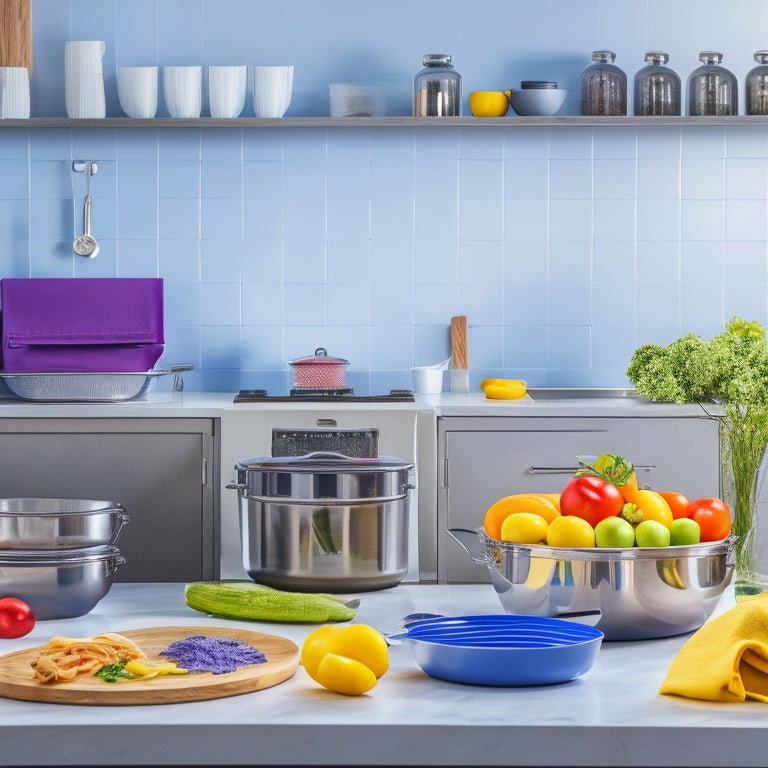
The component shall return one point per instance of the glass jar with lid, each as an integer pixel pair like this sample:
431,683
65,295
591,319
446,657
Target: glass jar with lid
657,87
712,89
603,86
437,88
756,94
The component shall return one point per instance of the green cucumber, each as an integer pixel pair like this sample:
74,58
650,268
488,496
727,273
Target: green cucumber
236,599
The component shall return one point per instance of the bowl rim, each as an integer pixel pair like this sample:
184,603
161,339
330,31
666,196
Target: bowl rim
555,633
47,507
57,557
593,554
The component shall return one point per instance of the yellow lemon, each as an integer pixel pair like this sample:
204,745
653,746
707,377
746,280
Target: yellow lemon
570,531
346,660
364,644
316,645
524,528
498,512
344,675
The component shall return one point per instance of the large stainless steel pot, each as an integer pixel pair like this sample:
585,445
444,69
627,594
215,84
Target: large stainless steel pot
324,522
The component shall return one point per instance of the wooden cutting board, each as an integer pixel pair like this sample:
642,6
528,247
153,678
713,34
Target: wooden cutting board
16,33
16,681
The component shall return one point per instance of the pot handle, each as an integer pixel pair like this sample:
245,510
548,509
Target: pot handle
470,541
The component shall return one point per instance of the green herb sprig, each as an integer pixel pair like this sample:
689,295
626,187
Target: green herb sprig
111,673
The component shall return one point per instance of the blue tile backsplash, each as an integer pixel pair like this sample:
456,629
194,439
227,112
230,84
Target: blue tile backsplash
566,247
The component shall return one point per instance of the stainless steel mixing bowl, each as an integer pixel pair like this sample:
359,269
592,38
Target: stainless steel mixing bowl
634,593
59,585
58,524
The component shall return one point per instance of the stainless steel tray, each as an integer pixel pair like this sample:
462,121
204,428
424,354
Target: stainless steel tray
88,387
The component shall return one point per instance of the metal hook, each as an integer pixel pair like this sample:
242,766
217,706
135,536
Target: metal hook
80,165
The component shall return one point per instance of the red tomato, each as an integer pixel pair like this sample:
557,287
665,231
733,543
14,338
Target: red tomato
677,503
713,516
16,618
591,498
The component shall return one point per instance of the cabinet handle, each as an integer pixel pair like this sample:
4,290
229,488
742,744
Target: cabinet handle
551,470
644,472
204,472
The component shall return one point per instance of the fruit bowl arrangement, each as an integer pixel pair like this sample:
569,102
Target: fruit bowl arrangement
628,567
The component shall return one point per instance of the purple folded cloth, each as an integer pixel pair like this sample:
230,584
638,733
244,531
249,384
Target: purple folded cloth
104,325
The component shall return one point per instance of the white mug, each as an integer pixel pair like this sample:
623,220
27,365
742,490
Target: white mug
183,90
272,90
84,95
137,91
226,90
83,56
14,92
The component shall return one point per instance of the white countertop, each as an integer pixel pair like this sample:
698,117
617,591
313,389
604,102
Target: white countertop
212,404
613,715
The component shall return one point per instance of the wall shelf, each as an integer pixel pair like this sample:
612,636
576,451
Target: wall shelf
383,122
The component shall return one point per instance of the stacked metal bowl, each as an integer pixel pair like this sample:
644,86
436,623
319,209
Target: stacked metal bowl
59,555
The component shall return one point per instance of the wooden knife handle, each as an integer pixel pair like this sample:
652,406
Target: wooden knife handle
459,342
16,33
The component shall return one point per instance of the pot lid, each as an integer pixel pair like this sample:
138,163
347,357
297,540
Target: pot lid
323,461
320,358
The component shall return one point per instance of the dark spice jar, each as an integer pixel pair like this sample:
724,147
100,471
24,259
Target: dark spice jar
757,86
712,89
603,86
657,87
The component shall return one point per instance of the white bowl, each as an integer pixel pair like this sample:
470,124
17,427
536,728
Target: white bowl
537,101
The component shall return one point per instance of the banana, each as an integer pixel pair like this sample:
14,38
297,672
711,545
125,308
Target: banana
669,574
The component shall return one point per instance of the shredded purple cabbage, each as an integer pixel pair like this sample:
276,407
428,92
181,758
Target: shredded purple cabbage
201,653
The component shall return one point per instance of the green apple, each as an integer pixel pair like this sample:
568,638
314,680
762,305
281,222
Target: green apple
652,533
684,531
614,532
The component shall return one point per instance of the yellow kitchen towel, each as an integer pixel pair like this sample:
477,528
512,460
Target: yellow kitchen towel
726,659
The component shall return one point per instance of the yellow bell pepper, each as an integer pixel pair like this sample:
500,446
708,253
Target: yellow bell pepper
348,660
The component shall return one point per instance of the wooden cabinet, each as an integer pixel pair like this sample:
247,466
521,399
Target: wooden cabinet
481,459
163,471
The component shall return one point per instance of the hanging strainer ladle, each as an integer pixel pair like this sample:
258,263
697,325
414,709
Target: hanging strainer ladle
86,245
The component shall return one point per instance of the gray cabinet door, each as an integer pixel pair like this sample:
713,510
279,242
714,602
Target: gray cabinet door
482,460
160,470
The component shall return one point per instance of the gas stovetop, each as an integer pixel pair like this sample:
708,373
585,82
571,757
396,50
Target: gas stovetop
345,395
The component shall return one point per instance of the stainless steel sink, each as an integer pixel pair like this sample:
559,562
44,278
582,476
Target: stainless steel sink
585,393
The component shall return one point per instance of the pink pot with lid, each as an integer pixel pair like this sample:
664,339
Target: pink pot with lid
319,371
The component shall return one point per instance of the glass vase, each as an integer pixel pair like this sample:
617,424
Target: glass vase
743,439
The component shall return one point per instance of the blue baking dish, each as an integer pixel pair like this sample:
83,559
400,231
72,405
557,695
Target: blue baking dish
501,649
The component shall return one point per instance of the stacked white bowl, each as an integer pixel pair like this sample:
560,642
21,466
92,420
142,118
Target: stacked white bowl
83,79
